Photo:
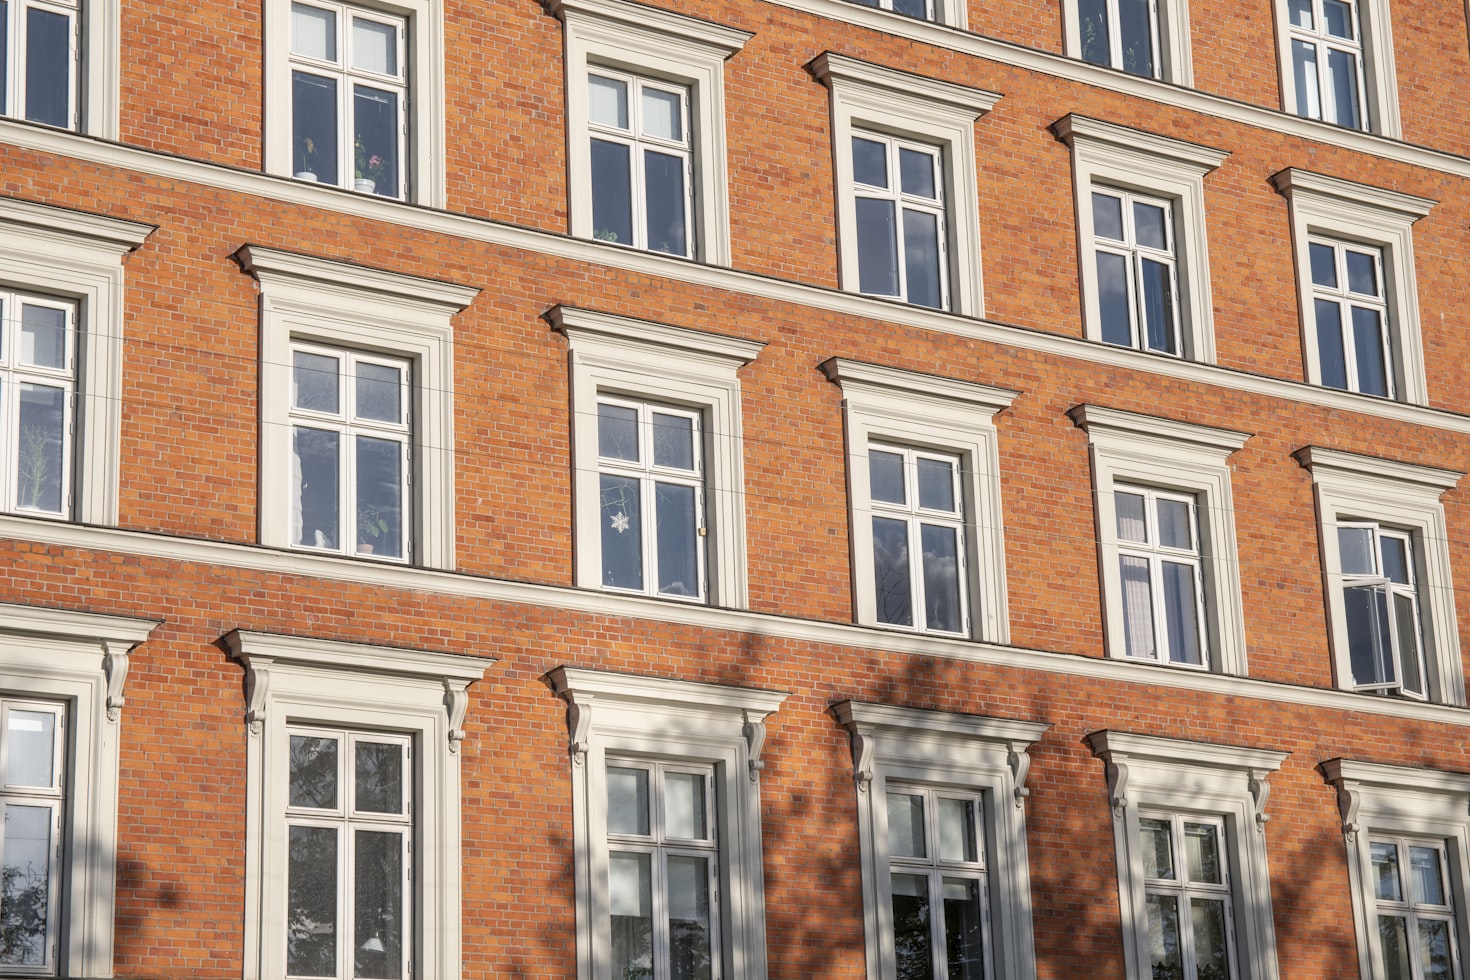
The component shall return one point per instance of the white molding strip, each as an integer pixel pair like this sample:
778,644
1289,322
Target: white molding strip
596,603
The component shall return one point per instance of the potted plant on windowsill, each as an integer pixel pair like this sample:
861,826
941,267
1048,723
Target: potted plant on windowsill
306,160
372,528
368,169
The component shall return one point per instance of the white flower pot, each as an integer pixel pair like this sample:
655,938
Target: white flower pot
306,175
364,186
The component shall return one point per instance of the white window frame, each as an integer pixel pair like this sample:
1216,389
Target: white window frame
1380,97
340,305
294,681
1328,207
1155,553
1351,488
423,162
1171,39
1398,801
657,45
674,366
627,715
79,660
892,407
1135,450
1115,158
903,202
1152,774
14,374
78,257
1346,300
938,114
950,13
96,65
966,754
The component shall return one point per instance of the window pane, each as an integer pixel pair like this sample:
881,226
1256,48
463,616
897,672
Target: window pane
921,258
315,378
1368,348
663,114
1131,521
1149,227
1434,950
627,801
311,902
906,825
1136,33
374,46
1157,287
941,577
622,533
1406,629
1393,938
379,777
314,772
1330,356
30,737
1337,18
1138,607
378,897
1366,611
957,830
48,67
617,432
316,455
1211,947
1362,273
42,447
375,138
964,934
1301,13
1426,887
684,806
911,927
1304,71
673,441
1395,554
1163,937
42,336
1114,308
607,101
678,527
379,497
25,885
1107,216
912,8
314,126
885,477
1181,615
877,247
1174,524
1355,551
869,162
1092,16
612,193
664,195
689,941
1157,848
936,484
313,32
891,571
1324,264
630,895
379,387
1202,853
916,173
1342,82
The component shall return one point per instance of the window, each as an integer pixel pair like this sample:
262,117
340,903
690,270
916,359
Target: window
1193,880
357,406
354,96
38,61
61,340
1355,275
348,95
1149,38
1407,839
923,482
1337,63
666,825
646,120
1166,539
904,164
1387,576
919,9
1143,248
352,807
61,701
659,479
946,887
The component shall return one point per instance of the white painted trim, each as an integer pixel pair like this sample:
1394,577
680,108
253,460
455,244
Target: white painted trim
101,85
1356,212
1397,800
1193,777
1176,59
303,298
652,43
1193,459
1349,486
1381,100
1106,155
81,659
295,679
985,755
866,96
714,724
912,409
676,366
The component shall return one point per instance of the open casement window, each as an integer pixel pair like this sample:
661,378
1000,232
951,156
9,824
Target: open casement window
942,831
37,403
1350,313
666,825
1407,839
39,61
1137,284
1327,61
1159,568
1193,879
898,201
919,566
1386,570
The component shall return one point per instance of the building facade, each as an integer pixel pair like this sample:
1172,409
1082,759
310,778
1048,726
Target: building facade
798,488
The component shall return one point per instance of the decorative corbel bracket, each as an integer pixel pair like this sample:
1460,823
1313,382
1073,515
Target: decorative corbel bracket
257,690
863,744
1020,764
1260,794
456,702
1348,801
579,722
115,666
1118,787
755,737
